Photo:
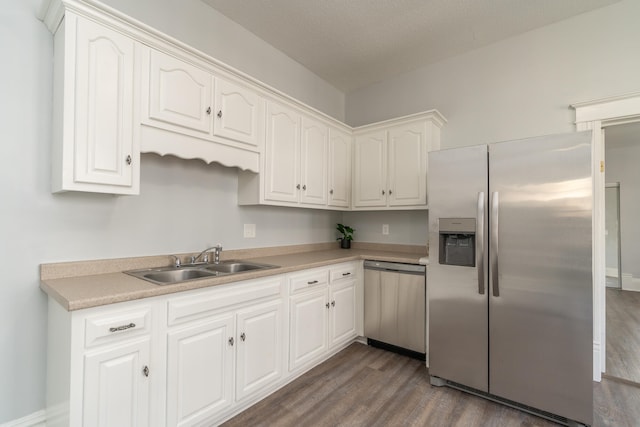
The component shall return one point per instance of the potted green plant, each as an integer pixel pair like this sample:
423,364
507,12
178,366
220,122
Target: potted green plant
347,235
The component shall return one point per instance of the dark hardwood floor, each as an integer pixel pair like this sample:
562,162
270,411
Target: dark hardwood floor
623,335
365,386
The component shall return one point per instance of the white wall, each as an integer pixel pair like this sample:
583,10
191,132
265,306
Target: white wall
202,27
183,206
622,157
405,227
520,87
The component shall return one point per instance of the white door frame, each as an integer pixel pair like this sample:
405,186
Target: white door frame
597,115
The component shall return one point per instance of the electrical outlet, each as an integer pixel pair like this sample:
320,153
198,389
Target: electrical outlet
385,229
250,231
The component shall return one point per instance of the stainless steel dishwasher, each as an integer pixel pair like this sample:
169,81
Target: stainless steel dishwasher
395,307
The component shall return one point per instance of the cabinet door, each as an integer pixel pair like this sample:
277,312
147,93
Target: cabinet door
313,162
179,93
282,154
370,170
238,113
104,70
116,387
408,165
200,371
339,169
260,347
342,325
308,327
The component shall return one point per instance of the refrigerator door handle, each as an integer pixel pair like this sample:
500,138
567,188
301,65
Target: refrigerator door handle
480,242
494,272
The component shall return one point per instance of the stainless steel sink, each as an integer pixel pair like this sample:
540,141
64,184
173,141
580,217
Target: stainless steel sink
236,266
172,275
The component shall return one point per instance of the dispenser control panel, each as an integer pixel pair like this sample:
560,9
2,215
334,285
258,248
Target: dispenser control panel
457,241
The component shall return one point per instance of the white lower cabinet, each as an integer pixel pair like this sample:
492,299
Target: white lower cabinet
103,366
197,357
116,385
200,370
260,348
308,330
322,309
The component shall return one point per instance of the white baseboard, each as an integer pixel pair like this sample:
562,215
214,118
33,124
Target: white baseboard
612,272
37,419
630,283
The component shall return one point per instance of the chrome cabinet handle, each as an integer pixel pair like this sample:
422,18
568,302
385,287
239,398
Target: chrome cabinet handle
128,159
383,193
304,187
331,191
298,186
122,328
231,341
390,192
313,282
346,274
243,336
145,371
327,305
495,273
480,242
219,114
209,111
333,303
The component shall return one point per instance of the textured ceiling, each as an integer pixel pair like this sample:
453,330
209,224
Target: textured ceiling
353,43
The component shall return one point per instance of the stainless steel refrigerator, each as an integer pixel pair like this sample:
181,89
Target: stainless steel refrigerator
510,281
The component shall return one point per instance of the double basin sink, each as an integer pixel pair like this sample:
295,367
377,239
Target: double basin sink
173,275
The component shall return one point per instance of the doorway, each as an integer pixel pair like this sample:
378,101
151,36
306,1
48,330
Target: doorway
622,202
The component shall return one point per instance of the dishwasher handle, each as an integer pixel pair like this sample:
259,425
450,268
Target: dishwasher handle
395,267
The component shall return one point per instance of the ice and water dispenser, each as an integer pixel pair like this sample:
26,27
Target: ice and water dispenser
458,241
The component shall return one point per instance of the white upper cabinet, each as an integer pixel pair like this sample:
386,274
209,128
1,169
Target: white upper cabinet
94,146
407,165
296,162
179,93
238,113
282,154
190,111
339,169
390,162
121,89
187,96
313,161
370,169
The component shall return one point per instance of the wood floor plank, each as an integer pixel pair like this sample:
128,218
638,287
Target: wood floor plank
623,334
366,386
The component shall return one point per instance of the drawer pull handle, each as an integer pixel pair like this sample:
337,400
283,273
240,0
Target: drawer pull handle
346,274
243,337
231,341
327,305
145,371
313,282
333,303
122,328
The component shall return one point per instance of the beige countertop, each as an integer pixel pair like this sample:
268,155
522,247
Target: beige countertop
85,284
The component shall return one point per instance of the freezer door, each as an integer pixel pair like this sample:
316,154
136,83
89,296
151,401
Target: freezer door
540,300
457,297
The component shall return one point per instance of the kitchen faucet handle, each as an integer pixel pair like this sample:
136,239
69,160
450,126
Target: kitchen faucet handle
176,261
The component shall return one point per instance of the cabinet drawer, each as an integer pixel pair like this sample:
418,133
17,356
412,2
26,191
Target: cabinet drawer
308,279
117,325
344,271
195,306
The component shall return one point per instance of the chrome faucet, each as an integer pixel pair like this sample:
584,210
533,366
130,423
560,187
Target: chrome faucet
216,255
